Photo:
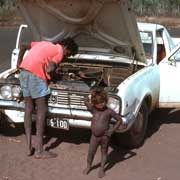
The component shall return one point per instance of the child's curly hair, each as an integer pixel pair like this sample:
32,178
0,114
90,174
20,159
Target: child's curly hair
98,96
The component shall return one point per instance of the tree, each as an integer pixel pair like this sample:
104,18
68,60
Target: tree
2,2
157,7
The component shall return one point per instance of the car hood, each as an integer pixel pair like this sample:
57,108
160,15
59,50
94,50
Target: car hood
101,26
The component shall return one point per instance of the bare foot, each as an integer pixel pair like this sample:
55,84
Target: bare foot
30,152
101,173
87,170
44,155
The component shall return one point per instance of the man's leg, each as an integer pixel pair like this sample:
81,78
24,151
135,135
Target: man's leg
41,111
28,123
93,145
42,108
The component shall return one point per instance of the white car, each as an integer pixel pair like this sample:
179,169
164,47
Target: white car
111,55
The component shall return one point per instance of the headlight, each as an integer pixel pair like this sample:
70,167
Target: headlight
6,92
10,92
114,104
16,91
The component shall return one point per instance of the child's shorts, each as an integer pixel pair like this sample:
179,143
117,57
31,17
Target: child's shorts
32,85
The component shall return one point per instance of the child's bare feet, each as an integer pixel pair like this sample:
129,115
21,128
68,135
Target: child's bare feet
87,170
101,173
44,155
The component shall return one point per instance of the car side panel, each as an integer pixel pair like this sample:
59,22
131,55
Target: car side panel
139,86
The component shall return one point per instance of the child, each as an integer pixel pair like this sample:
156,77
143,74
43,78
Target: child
101,131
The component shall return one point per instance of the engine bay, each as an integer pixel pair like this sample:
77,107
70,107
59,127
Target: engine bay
92,75
83,76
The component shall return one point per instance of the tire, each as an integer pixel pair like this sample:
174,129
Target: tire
135,136
8,128
4,124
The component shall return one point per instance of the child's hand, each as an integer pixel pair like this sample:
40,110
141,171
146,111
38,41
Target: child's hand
87,98
124,125
109,133
93,92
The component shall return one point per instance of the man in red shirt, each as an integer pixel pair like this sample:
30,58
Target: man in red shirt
35,71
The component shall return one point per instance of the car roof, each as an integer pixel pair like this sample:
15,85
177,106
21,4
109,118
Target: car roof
145,26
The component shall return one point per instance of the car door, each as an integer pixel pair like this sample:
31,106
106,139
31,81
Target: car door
169,68
16,50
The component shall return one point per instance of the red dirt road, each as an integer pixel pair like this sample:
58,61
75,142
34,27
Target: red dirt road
157,159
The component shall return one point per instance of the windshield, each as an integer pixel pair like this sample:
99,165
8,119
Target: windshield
147,41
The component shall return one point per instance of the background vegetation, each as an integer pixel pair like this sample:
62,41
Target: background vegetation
157,7
141,7
7,8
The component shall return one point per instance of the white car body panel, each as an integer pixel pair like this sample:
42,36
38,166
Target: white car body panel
170,88
176,40
133,97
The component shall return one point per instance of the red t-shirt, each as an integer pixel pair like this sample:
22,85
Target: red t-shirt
39,56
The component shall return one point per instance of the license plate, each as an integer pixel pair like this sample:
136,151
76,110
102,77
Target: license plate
59,123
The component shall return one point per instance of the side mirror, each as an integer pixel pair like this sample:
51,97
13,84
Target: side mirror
172,61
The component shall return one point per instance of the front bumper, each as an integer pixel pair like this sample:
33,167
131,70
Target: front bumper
76,118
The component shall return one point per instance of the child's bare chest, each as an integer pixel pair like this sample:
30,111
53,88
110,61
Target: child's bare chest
101,115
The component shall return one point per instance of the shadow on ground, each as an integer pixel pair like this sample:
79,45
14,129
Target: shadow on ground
162,116
75,136
78,136
11,129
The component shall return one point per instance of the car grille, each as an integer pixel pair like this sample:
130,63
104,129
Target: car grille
67,99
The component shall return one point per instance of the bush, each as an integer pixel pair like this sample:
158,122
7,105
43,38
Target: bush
7,8
2,3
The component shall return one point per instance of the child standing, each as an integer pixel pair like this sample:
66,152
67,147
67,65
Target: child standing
100,128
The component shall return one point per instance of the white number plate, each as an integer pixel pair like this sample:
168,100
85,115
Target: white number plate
59,123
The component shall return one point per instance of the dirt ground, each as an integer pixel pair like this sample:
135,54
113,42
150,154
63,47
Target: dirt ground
173,22
157,159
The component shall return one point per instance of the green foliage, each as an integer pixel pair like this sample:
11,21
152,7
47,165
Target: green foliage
157,7
2,3
7,8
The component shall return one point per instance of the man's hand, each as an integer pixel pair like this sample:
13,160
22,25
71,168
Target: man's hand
51,67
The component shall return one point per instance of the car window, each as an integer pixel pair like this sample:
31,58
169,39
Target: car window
147,41
170,41
176,56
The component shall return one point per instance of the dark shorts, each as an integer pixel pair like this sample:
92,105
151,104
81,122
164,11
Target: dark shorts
32,85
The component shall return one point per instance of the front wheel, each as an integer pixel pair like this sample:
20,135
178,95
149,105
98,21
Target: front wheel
2,122
135,136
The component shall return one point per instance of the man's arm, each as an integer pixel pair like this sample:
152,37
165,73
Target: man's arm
51,70
23,49
51,67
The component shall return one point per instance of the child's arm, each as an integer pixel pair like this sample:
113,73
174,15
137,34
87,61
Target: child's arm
117,124
88,104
